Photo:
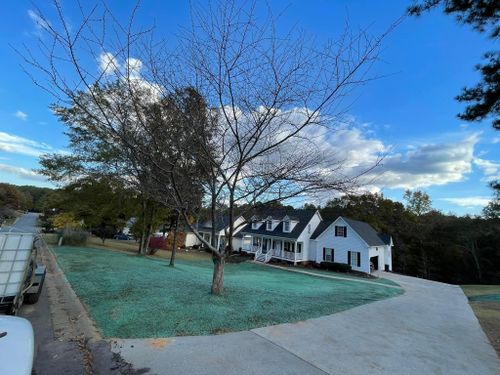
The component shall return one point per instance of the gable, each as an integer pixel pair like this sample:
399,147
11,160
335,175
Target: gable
363,230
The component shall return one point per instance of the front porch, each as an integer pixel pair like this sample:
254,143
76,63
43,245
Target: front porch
267,248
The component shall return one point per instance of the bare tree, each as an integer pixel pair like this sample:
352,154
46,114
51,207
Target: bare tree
269,98
272,95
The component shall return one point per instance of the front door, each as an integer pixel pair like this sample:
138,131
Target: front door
265,245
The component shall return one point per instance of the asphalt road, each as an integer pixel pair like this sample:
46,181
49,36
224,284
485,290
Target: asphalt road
24,224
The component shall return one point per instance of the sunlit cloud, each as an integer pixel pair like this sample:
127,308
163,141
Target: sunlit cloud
469,202
19,145
22,172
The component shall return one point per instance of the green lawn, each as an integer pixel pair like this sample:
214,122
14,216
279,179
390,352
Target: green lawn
136,297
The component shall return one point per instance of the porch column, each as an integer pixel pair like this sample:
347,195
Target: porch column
295,253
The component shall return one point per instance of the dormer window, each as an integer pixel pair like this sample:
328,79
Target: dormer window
340,231
286,226
255,225
269,225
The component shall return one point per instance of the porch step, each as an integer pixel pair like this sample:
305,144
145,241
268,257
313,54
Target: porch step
261,258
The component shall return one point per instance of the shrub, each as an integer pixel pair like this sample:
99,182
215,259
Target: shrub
157,243
74,237
339,267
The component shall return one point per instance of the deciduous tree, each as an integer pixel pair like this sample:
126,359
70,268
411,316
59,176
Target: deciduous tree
260,101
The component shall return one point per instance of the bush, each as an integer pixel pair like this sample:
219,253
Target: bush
74,237
157,243
339,267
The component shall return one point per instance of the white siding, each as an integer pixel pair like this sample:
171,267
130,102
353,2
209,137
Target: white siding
384,256
378,251
342,245
305,236
237,243
191,239
388,257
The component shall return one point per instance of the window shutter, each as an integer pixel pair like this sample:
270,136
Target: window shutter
349,257
324,254
359,259
345,231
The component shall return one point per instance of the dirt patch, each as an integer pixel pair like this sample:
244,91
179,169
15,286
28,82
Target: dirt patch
488,314
487,310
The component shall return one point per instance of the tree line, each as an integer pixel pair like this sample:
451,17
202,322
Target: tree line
21,198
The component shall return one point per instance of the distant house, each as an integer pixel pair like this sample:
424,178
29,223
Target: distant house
221,227
300,235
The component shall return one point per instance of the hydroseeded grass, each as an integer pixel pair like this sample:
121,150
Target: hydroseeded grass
130,296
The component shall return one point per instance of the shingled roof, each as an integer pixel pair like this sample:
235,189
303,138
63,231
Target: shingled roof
206,225
364,230
303,216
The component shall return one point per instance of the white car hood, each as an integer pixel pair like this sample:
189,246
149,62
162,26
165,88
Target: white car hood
16,346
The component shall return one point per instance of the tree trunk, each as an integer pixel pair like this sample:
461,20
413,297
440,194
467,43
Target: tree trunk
476,260
174,244
142,248
148,238
218,277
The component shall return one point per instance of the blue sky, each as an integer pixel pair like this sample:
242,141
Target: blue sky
409,111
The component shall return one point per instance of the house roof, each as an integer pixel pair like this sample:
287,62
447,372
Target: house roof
321,228
364,230
303,216
206,225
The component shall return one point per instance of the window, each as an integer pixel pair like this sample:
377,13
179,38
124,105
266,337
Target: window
269,225
340,231
288,246
328,255
299,247
255,225
354,258
286,226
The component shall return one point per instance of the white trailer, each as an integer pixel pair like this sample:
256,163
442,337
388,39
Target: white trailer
21,278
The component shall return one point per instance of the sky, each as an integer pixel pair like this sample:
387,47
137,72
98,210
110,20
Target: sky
408,113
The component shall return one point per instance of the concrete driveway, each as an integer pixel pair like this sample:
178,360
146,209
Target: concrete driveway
429,330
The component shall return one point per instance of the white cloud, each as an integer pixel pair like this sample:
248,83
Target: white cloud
429,164
24,146
416,166
134,67
469,202
21,115
490,168
22,172
39,22
108,64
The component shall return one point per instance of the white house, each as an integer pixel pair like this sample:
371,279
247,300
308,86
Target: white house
221,227
300,235
280,234
353,242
